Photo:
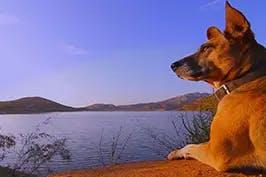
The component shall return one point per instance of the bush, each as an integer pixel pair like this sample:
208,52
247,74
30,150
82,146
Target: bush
33,152
6,142
111,153
196,130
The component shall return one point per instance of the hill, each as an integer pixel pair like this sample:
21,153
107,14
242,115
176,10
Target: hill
32,105
29,105
101,107
172,104
208,103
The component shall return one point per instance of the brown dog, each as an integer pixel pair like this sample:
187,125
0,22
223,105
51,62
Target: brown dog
235,64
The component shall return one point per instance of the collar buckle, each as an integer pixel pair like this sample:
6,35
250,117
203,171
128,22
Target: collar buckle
219,95
226,89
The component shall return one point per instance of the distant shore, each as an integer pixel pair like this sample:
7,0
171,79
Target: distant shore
35,105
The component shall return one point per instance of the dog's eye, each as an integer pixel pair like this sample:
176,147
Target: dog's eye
205,48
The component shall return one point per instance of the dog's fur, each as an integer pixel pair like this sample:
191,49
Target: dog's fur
238,130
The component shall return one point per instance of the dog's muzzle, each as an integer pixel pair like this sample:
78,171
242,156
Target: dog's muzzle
176,65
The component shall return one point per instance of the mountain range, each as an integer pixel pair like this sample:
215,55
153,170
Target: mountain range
30,105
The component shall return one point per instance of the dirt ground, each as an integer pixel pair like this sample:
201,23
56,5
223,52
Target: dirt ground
180,168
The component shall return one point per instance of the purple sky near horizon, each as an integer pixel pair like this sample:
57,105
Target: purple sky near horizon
80,52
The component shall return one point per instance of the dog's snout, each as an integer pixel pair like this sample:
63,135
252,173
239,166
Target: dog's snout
175,65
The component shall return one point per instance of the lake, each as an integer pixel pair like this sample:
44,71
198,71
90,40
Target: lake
91,134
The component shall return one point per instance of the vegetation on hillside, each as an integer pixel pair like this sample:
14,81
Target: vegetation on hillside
208,103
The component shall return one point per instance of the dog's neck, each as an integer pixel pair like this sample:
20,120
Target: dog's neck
230,86
257,70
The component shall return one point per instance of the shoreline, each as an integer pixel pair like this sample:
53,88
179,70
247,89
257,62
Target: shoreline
96,111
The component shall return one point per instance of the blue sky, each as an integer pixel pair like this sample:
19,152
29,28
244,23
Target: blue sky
79,52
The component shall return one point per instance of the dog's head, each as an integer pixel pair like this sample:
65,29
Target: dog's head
221,58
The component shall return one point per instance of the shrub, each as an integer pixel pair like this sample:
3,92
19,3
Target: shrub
194,130
111,153
33,151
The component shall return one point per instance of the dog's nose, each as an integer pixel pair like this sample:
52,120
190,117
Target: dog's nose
175,65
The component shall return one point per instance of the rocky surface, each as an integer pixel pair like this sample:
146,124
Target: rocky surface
179,168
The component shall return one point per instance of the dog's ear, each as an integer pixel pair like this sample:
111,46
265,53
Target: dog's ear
213,32
236,23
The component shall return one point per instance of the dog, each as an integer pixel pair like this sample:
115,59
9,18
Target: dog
235,65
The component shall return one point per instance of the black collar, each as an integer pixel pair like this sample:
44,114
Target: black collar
229,86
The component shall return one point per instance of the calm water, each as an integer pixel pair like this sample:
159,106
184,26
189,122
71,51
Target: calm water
85,129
